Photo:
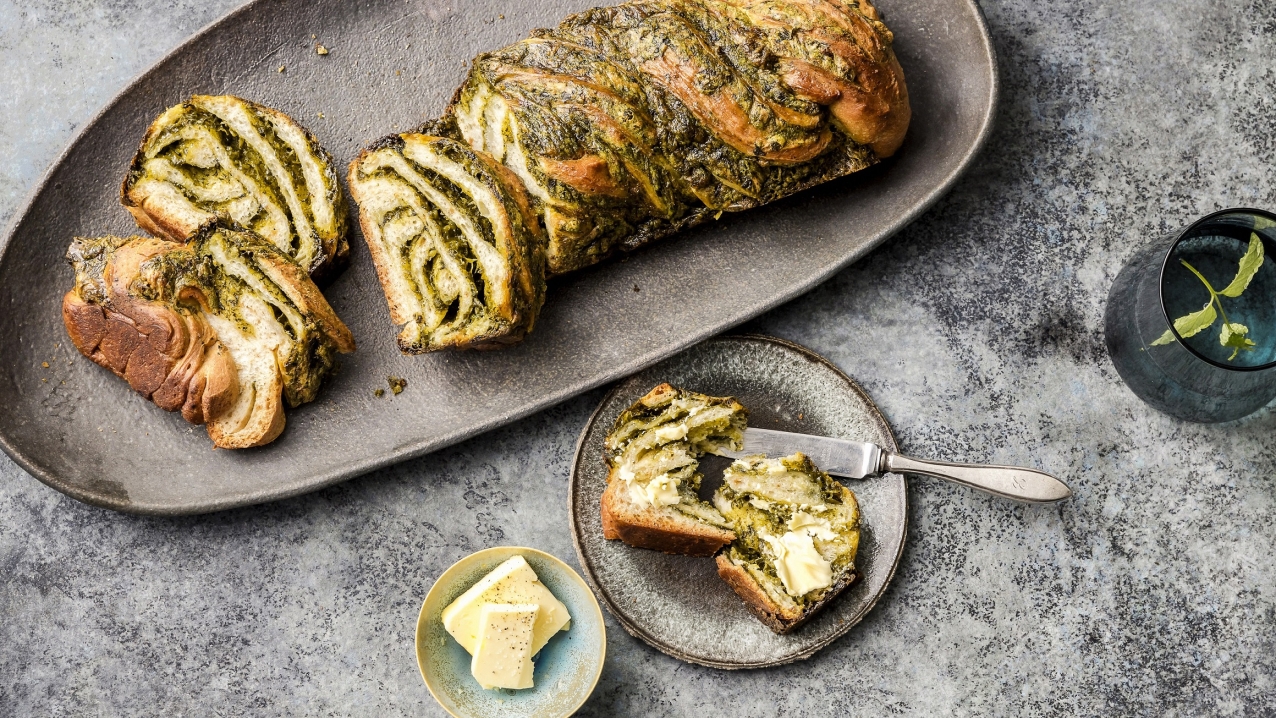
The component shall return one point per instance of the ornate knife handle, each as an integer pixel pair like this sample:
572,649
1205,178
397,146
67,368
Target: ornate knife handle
1011,482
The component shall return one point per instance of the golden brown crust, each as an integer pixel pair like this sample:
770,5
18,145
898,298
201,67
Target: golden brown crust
648,529
658,395
86,324
296,283
755,599
869,101
589,174
157,224
874,108
163,355
718,111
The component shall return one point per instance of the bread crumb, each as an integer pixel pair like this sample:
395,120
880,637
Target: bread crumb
321,49
379,393
397,384
281,68
44,364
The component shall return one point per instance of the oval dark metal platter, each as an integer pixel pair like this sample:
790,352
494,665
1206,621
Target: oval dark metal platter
677,603
392,64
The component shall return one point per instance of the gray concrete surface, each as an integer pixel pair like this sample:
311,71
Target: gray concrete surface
977,330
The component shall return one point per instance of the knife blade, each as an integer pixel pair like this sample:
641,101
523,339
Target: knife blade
859,459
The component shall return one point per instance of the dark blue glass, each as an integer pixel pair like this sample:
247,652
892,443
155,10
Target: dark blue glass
1213,374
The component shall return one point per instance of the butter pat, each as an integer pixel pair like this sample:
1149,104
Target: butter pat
673,432
800,567
817,527
660,491
663,490
513,582
503,654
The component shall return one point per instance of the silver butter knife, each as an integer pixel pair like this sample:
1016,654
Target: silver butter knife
858,459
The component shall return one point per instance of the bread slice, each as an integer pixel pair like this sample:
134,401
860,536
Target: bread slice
225,327
653,453
222,158
457,248
797,533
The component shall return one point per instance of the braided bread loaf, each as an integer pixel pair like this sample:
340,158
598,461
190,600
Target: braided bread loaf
628,123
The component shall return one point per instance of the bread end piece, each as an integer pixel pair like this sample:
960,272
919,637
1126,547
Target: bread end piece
204,327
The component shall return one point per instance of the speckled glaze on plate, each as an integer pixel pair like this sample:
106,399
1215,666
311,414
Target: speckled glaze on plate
390,65
677,603
567,668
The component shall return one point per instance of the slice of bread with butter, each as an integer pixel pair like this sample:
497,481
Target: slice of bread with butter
797,532
653,451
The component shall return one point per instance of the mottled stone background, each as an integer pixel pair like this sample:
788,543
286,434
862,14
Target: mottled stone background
977,330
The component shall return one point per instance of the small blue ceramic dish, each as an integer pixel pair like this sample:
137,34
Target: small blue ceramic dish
567,668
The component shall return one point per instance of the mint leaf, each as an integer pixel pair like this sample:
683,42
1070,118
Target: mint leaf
1233,335
1190,325
1250,263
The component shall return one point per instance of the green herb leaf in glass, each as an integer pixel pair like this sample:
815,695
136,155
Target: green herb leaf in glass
1250,263
1233,333
1191,324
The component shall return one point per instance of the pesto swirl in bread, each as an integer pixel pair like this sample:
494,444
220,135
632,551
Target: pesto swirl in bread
224,158
797,533
224,328
457,250
625,124
653,453
628,123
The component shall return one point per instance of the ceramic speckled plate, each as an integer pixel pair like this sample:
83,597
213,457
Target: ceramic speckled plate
567,668
677,603
392,64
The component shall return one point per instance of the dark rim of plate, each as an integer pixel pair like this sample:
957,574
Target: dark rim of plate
637,631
